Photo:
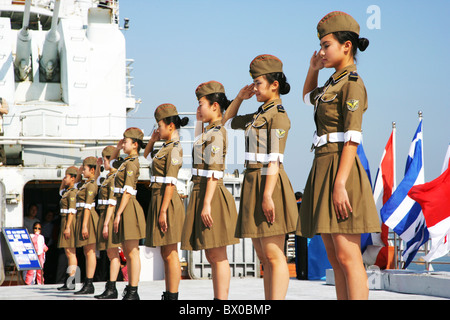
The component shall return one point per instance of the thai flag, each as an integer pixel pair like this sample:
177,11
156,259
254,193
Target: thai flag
374,246
434,199
400,212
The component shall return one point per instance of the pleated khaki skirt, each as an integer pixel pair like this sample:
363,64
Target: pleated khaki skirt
317,214
132,222
92,228
175,219
62,241
196,236
102,243
252,222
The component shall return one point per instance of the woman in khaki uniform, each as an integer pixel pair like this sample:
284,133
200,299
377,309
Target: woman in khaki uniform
87,222
106,207
211,217
68,210
268,209
338,202
129,221
165,216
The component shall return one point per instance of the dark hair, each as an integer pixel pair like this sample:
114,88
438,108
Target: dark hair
92,166
140,143
220,98
357,42
284,87
177,121
72,175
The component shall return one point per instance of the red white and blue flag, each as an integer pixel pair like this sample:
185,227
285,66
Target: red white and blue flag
434,198
401,213
374,246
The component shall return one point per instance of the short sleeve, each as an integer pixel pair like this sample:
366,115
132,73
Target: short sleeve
91,192
72,201
110,194
279,128
240,122
354,104
310,97
174,162
215,151
131,175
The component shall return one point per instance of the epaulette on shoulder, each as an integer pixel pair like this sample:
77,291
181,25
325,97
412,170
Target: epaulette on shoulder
217,128
353,76
280,108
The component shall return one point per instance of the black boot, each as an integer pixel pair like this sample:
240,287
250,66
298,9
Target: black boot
110,291
69,283
88,287
169,296
130,293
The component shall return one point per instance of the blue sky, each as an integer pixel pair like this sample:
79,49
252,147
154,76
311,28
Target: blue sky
178,44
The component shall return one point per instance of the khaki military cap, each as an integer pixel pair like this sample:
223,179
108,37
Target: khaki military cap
208,88
336,21
108,151
264,64
133,133
72,170
90,161
164,111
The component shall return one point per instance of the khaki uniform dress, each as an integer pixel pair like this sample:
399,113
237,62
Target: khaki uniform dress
86,200
208,154
339,107
165,166
266,133
67,206
106,198
132,221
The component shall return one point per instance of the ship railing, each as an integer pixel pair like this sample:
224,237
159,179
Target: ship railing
399,248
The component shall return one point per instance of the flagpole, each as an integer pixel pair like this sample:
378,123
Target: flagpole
394,129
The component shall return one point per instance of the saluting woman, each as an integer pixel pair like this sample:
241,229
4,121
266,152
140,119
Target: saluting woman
68,211
338,202
165,216
211,216
268,209
106,206
87,222
129,219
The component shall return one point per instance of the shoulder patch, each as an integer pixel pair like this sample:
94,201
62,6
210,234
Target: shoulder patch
280,108
352,105
353,76
280,133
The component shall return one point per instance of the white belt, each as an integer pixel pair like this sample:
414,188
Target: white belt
207,173
329,137
85,205
101,201
68,211
263,157
159,179
350,135
128,189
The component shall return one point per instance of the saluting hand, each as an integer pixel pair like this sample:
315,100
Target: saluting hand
316,62
246,92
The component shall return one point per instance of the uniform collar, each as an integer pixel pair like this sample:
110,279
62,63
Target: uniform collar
131,157
213,125
268,105
341,74
169,142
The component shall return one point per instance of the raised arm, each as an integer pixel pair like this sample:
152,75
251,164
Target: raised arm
244,94
312,76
